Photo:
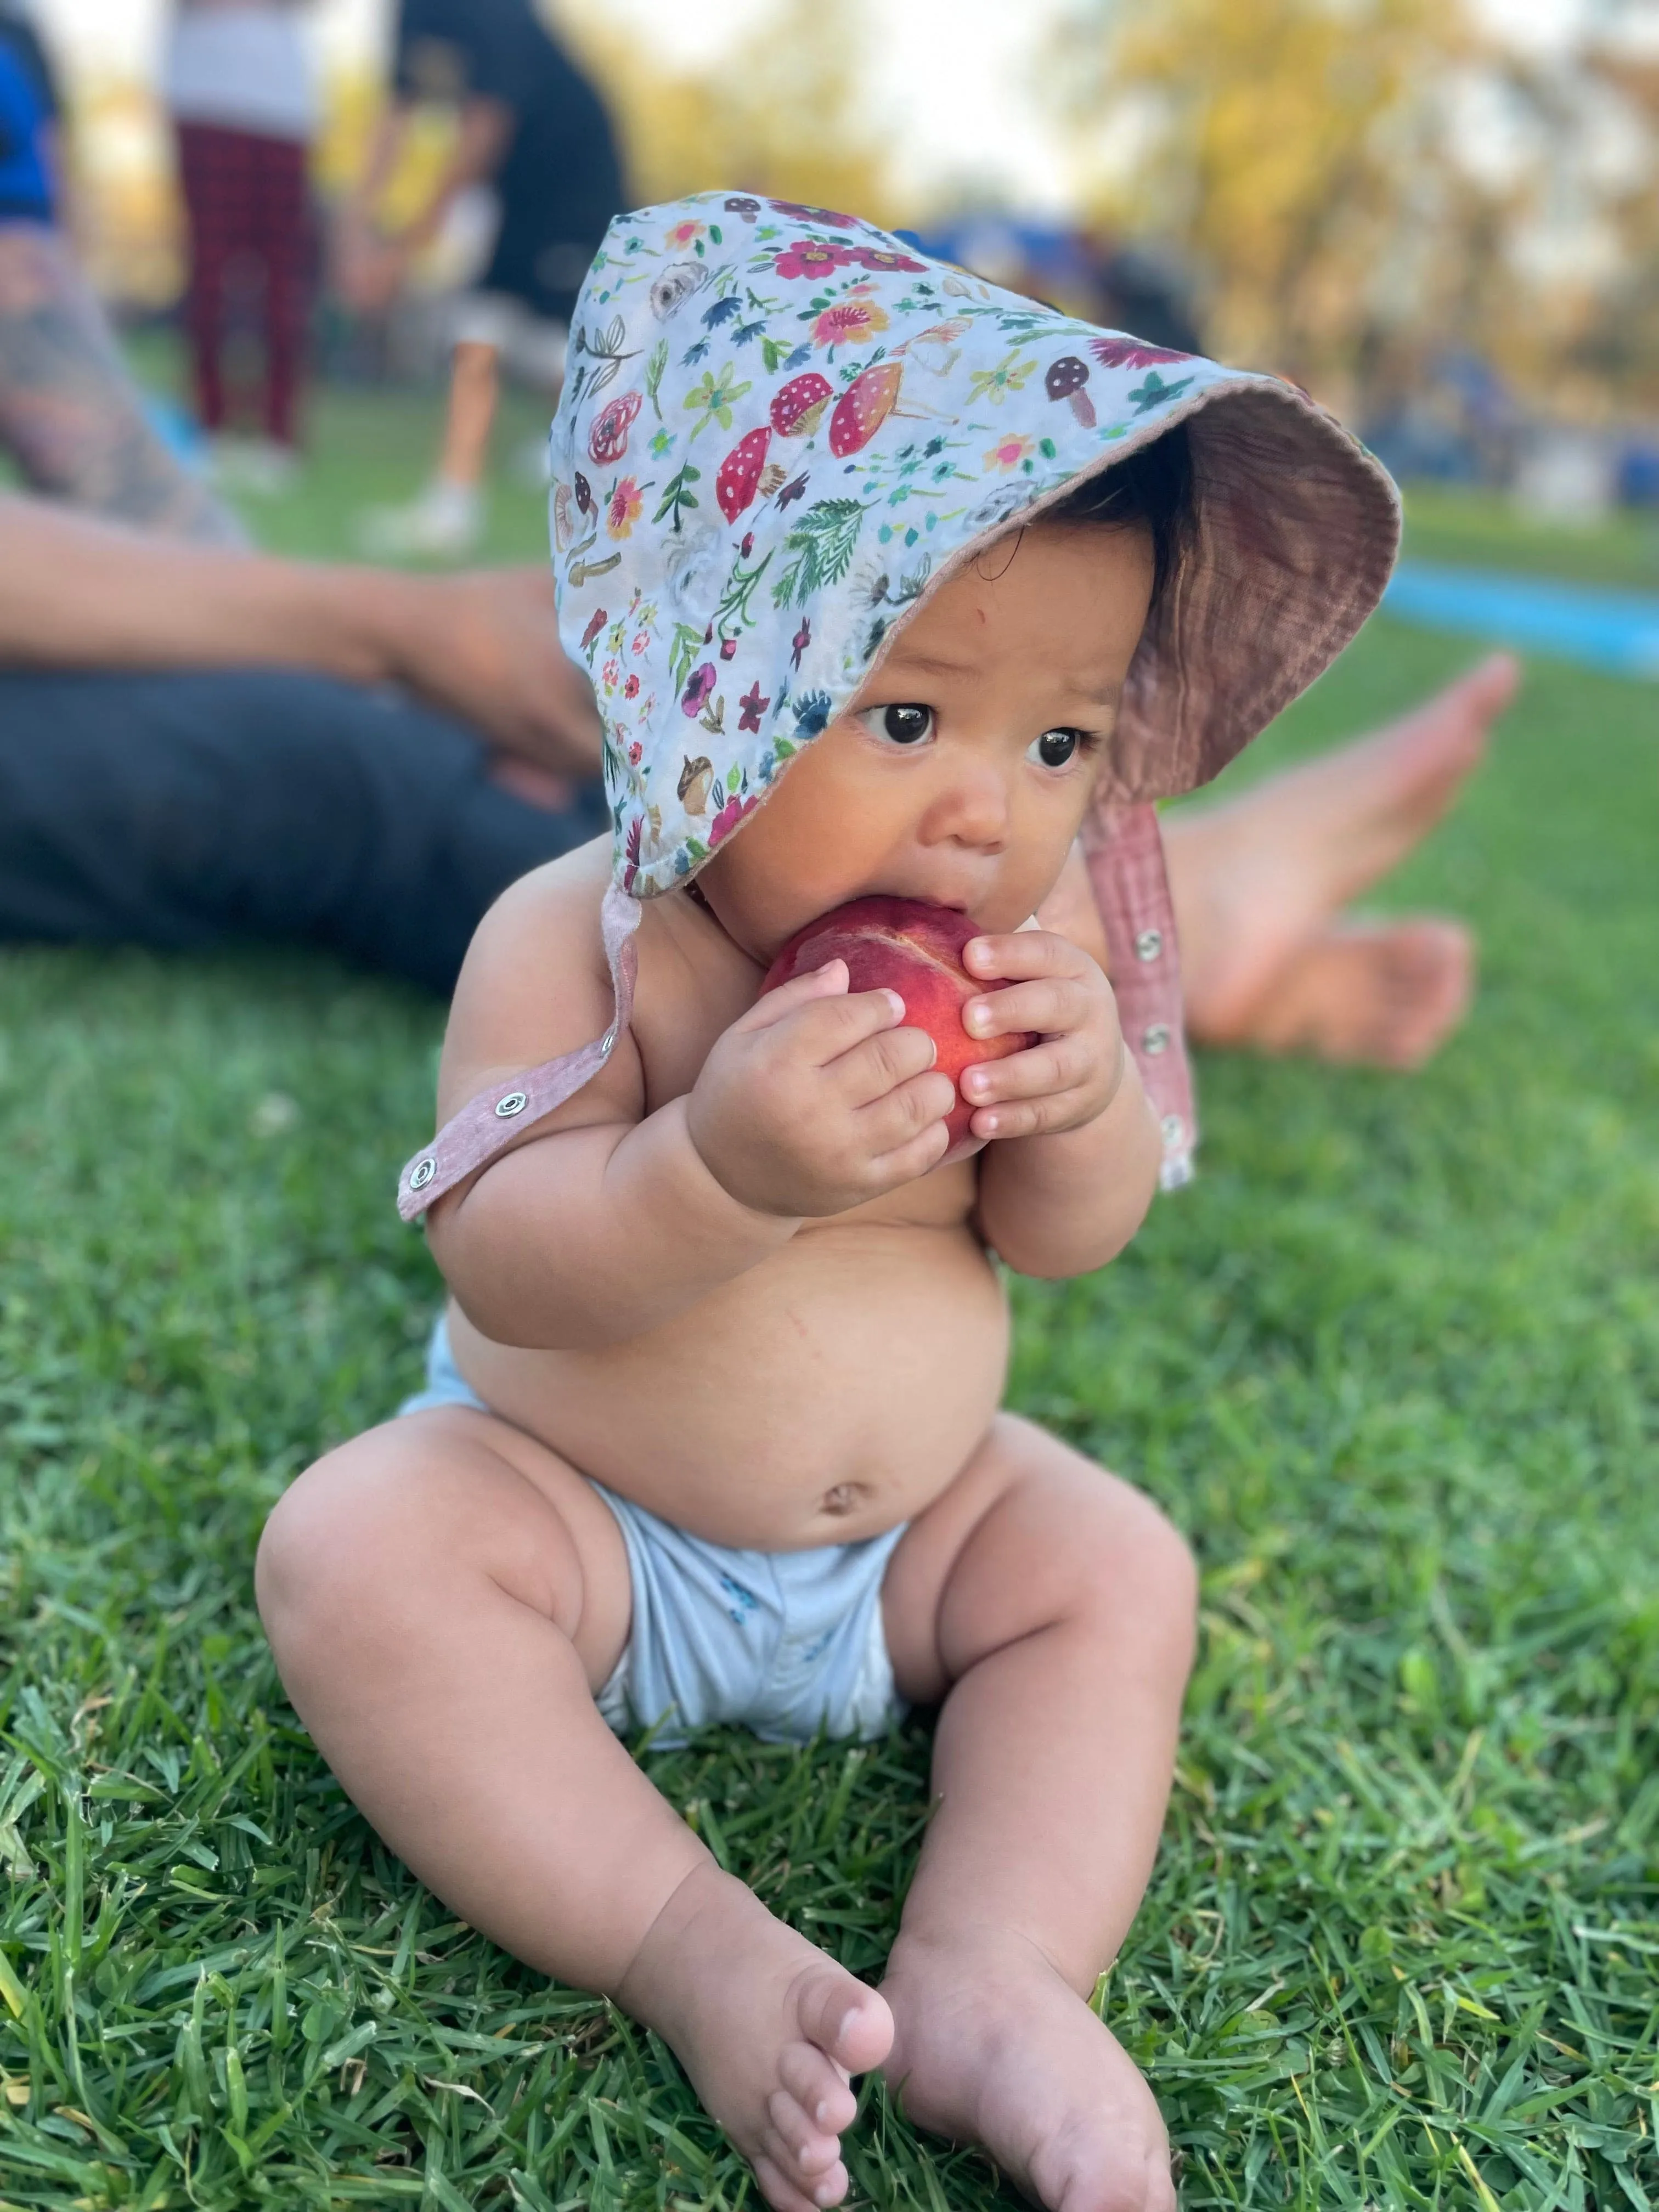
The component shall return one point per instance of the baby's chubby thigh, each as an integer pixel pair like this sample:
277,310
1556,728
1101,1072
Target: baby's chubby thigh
444,1596
1031,1533
451,1491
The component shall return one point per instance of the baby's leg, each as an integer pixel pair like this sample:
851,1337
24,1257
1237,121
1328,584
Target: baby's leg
1052,1607
443,1596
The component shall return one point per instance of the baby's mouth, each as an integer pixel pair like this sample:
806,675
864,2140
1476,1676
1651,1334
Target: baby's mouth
915,897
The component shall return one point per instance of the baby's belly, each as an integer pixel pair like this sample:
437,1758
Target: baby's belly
827,1395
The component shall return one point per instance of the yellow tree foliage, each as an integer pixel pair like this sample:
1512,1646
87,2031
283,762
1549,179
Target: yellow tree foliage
779,114
1615,346
1283,147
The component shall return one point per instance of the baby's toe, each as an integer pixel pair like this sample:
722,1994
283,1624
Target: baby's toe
783,2195
815,2086
849,2021
795,2140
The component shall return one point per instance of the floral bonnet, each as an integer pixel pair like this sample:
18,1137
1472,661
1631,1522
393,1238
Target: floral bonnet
781,429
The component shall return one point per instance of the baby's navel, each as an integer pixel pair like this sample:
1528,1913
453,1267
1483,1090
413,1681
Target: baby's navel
844,1498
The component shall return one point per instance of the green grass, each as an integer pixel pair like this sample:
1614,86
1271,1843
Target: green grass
370,448
1393,1362
1484,529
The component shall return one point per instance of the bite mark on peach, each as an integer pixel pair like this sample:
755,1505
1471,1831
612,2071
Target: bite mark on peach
914,948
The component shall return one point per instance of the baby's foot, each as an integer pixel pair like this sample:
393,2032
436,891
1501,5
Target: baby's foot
991,2046
1375,994
769,2029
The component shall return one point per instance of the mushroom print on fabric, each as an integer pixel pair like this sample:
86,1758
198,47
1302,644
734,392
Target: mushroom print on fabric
781,429
801,423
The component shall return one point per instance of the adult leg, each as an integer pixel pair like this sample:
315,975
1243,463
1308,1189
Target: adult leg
444,1596
1052,1607
1259,882
208,185
448,518
474,395
185,811
70,415
284,248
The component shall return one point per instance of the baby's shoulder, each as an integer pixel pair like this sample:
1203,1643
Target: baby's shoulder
535,984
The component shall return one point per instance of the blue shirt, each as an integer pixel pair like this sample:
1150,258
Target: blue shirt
28,109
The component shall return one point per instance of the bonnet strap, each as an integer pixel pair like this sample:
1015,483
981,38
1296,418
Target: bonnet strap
487,1124
1124,850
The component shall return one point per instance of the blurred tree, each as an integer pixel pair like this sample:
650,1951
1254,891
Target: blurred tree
1591,185
780,114
1362,184
1280,145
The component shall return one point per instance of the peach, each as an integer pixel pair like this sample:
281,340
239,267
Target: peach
903,945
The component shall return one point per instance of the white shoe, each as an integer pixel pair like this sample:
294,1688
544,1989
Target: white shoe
444,524
257,465
532,464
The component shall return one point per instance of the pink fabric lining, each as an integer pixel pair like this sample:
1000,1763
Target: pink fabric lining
1124,848
486,1124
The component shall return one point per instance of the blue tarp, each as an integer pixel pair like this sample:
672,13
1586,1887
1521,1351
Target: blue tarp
1614,630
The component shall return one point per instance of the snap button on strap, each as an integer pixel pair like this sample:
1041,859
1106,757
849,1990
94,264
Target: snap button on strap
475,1136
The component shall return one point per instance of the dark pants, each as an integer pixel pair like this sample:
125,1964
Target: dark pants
188,811
247,199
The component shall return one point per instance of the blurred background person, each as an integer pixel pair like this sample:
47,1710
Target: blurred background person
531,127
71,420
238,85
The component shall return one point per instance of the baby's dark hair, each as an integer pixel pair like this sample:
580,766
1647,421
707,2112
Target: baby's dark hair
1153,490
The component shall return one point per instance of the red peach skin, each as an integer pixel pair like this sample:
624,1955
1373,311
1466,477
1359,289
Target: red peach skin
903,945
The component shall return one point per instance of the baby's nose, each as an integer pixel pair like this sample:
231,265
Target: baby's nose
975,810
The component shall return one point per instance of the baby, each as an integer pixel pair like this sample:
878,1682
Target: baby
713,1430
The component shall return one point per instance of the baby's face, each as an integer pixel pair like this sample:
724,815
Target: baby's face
961,772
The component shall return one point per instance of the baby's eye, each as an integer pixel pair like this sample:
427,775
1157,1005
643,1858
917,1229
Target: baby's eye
899,725
1057,748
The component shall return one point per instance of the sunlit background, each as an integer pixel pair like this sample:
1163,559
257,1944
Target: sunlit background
1383,198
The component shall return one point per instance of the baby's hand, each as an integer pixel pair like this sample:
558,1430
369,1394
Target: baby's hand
816,1100
1071,1076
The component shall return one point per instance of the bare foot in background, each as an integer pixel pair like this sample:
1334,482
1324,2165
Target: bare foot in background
1259,882
1373,994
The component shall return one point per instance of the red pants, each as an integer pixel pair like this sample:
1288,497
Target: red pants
249,211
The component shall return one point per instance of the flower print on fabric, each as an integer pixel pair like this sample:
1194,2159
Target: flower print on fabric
702,682
876,257
1009,451
782,425
811,257
623,507
849,322
1116,352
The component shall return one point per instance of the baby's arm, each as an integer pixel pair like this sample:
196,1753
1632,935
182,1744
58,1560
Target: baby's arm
606,1221
1072,1160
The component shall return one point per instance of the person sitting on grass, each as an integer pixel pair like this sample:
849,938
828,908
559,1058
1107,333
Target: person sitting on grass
198,748
72,422
712,1431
